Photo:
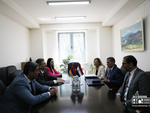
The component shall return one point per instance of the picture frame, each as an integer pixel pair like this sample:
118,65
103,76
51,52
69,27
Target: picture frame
132,37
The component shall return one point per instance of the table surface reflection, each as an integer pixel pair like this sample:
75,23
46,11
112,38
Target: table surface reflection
88,100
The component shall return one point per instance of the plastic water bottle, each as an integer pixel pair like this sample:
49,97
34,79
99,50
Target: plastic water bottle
76,84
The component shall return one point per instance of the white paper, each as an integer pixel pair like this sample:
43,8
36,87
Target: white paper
90,75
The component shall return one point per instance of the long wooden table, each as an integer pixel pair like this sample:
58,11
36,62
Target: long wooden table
89,100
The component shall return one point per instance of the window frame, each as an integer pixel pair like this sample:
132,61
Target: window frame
71,44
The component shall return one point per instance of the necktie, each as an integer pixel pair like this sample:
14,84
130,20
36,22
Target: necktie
109,73
126,85
31,87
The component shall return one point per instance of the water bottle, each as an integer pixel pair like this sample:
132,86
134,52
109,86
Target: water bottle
76,84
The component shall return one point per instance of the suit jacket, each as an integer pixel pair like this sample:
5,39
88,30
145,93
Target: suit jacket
49,79
18,98
140,82
101,72
116,78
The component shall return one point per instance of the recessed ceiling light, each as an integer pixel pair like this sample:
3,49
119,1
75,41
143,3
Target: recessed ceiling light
68,2
45,19
71,17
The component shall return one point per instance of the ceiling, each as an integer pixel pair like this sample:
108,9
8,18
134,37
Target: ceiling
27,12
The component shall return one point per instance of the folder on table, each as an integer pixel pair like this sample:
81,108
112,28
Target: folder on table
95,82
91,81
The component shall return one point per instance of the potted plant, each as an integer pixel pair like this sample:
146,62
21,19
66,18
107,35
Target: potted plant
64,67
91,68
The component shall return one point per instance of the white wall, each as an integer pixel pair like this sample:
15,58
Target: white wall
52,46
98,43
105,43
14,42
142,57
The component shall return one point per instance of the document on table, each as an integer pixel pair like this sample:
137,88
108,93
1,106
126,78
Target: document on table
90,75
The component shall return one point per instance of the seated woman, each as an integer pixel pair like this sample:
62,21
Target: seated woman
99,68
50,68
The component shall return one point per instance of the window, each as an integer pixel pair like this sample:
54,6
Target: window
72,43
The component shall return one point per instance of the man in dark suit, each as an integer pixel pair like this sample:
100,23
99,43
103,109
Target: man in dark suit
135,80
20,95
114,77
43,77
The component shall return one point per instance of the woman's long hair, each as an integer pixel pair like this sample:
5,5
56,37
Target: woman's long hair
48,64
99,61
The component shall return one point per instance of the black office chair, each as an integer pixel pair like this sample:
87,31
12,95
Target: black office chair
14,74
9,70
3,77
2,88
123,71
75,65
148,73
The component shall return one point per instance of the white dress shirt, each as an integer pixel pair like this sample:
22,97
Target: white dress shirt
108,72
130,78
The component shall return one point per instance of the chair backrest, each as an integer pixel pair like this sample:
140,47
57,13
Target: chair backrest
9,70
14,74
123,71
3,77
148,73
2,88
75,65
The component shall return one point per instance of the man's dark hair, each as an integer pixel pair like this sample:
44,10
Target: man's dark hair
39,61
29,66
111,59
130,59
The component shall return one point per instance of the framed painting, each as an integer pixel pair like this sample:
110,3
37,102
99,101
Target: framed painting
132,38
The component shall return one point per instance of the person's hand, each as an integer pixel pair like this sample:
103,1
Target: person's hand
119,97
52,92
59,80
54,89
105,80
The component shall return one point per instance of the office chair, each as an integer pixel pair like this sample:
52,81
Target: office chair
2,88
13,75
75,65
148,73
123,71
9,70
3,77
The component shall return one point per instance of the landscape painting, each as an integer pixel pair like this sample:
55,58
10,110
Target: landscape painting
132,38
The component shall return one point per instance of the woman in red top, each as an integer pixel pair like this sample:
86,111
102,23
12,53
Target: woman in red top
50,68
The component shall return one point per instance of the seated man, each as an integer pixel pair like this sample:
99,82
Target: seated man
114,77
135,80
44,78
19,96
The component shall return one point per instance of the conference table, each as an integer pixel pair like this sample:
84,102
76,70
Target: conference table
90,99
